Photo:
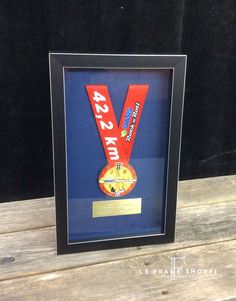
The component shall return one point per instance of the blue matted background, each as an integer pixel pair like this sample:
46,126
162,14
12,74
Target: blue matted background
86,158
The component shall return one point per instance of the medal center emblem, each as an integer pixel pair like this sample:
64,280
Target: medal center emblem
117,180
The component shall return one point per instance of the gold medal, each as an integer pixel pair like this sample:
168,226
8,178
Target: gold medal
117,180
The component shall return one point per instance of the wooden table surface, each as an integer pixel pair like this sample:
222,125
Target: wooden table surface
204,248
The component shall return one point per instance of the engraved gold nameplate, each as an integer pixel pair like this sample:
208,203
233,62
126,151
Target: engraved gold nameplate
117,207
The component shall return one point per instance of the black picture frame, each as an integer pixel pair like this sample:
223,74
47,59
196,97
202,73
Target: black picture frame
57,63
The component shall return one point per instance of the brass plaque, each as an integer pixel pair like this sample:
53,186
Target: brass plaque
117,207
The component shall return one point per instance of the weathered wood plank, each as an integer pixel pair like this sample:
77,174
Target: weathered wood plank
207,191
122,280
31,252
24,215
31,214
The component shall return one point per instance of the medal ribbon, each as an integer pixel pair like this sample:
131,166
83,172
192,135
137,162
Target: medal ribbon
117,140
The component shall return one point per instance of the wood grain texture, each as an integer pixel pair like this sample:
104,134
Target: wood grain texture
31,214
205,236
24,215
127,279
207,191
34,251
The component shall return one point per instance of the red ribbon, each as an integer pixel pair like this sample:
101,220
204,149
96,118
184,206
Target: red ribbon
117,140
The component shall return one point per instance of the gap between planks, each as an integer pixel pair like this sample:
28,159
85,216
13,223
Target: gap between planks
36,250
39,213
95,282
119,259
